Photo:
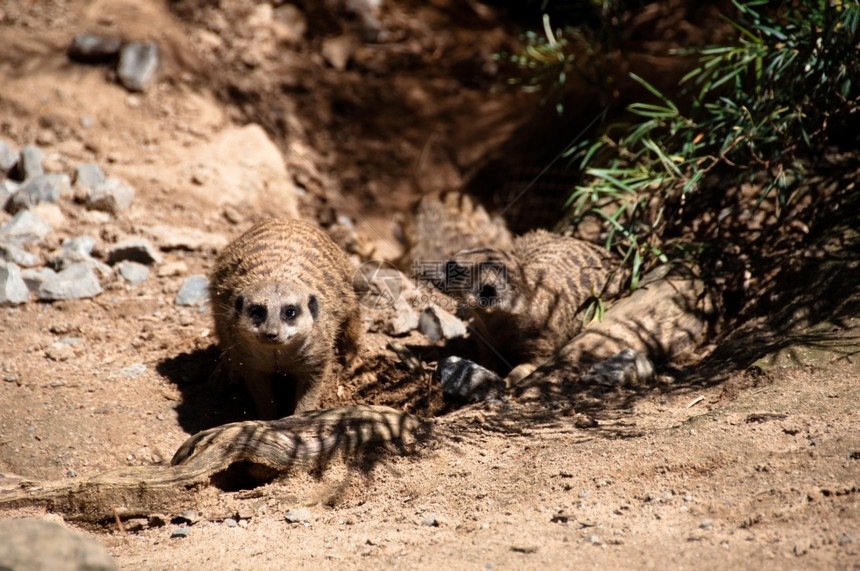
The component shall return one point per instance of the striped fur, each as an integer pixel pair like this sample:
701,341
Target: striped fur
529,302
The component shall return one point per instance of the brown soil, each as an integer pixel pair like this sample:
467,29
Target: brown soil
747,455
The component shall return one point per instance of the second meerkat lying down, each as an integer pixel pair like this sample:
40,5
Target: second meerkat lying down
527,303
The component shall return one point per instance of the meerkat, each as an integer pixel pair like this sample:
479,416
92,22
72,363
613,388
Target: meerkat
527,303
283,301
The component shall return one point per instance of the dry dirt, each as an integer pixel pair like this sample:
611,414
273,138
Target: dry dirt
747,458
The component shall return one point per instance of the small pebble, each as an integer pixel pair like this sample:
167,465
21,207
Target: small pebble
59,351
138,65
180,532
298,516
89,48
593,539
706,524
464,380
230,522
13,288
133,272
30,162
430,520
436,324
87,175
194,291
112,195
404,321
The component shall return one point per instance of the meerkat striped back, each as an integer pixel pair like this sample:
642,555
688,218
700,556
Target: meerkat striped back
573,268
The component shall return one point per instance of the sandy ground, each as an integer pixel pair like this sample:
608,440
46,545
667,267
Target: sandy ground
748,459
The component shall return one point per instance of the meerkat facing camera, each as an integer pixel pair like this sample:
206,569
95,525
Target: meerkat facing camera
283,302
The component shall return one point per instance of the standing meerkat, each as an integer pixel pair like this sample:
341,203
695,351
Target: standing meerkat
527,303
283,301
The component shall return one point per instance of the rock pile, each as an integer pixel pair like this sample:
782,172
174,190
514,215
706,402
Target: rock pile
29,267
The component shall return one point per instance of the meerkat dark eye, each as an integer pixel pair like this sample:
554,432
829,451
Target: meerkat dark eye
488,292
240,302
258,314
289,313
314,306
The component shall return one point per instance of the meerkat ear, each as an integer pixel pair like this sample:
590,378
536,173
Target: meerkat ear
314,306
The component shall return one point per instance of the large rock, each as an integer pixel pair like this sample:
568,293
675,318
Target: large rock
25,227
33,544
240,167
78,281
41,188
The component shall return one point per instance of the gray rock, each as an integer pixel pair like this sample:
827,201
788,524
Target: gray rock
134,250
625,368
8,157
16,255
7,189
35,277
87,175
430,520
13,290
404,319
112,195
89,48
180,532
30,163
194,291
133,272
31,544
41,188
25,227
75,282
298,516
464,380
436,324
78,250
138,65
